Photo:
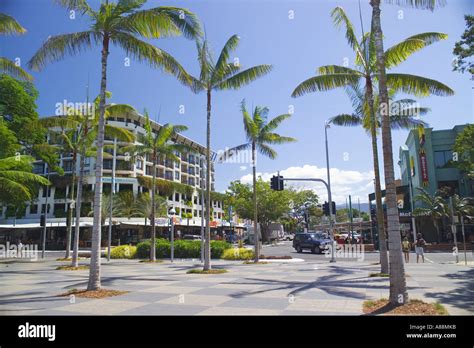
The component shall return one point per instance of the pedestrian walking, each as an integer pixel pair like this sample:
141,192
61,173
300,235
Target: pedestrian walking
419,245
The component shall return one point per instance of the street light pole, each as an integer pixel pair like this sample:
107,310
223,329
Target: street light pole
203,185
112,192
172,213
331,227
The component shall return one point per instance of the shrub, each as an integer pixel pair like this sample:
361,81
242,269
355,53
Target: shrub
182,248
238,254
123,252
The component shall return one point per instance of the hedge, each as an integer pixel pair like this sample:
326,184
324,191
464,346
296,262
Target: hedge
182,249
123,252
238,254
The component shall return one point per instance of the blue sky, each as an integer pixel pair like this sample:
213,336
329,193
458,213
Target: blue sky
296,46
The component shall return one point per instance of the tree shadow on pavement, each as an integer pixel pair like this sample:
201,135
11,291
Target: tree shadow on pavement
463,296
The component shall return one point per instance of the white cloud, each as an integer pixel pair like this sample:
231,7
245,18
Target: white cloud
343,182
242,168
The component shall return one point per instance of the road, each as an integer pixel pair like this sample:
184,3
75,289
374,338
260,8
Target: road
285,248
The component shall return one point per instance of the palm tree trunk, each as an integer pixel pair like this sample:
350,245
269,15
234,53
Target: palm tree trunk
70,209
438,235
378,189
398,289
94,271
207,244
152,217
255,222
77,227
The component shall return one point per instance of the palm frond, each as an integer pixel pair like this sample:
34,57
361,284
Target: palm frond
229,153
121,134
324,83
80,5
266,151
10,68
221,67
417,85
274,123
340,18
346,120
244,77
401,51
406,122
420,4
57,47
9,25
156,57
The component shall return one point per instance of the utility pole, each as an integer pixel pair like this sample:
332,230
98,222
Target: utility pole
328,186
112,192
453,229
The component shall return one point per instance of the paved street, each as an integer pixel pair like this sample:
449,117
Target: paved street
312,287
285,248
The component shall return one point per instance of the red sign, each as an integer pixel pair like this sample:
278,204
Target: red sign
423,168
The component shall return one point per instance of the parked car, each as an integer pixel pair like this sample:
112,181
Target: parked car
287,236
317,242
191,237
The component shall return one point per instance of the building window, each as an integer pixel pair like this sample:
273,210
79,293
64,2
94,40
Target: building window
442,159
176,175
67,165
34,209
176,197
176,164
139,164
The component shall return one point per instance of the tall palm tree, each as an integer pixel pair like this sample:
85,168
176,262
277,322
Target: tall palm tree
433,205
155,145
78,131
365,72
260,135
8,26
216,76
17,180
121,24
463,208
398,290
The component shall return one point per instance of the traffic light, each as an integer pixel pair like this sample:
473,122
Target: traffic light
277,183
43,220
326,208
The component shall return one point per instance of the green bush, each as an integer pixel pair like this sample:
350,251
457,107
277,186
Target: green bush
184,249
124,252
238,254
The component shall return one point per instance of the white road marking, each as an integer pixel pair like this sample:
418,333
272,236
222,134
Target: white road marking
427,259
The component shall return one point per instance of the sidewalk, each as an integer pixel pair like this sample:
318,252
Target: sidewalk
305,288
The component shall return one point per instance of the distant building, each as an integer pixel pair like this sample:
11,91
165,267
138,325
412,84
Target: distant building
427,160
188,171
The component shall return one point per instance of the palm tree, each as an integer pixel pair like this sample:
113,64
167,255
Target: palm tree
397,271
463,207
8,25
126,205
260,135
144,207
78,131
333,76
16,179
122,24
216,76
153,146
404,114
433,205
